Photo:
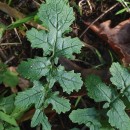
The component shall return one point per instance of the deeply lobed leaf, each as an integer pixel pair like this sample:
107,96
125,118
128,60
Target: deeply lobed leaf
50,43
41,39
65,47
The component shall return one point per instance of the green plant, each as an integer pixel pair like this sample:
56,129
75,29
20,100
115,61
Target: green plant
57,16
115,99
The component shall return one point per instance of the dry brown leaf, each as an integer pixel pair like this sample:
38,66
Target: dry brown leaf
117,37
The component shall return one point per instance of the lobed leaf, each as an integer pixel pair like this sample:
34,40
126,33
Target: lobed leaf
59,104
117,116
56,44
40,118
65,47
56,15
31,96
69,81
98,90
41,39
34,69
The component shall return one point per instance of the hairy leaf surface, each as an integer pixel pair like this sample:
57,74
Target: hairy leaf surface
59,104
98,90
31,96
40,118
58,45
41,39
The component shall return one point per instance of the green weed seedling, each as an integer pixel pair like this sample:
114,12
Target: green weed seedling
115,99
57,16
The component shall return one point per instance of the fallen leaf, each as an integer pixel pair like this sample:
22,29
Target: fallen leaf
117,37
